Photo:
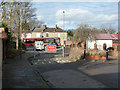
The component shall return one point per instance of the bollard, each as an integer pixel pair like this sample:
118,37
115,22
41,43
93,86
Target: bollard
106,54
63,51
84,53
34,51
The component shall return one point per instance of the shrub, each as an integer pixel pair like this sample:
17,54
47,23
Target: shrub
23,46
76,58
13,45
97,52
110,48
76,53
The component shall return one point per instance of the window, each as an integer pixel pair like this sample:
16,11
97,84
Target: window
37,34
58,34
48,40
28,41
57,40
41,35
47,35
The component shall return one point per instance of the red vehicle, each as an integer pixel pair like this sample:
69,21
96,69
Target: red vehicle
29,42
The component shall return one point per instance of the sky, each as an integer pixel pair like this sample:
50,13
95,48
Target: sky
96,14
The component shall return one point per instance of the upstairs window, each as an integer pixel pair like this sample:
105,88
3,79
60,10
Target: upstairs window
47,35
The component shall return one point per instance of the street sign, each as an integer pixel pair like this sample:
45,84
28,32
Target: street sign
51,48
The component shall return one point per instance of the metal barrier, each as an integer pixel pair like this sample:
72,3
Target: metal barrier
59,50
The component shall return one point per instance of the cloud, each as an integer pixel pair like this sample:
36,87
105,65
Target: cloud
73,0
39,18
78,16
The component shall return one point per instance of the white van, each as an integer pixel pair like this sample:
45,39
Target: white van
39,45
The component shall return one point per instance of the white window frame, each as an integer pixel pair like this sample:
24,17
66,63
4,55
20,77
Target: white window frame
58,34
37,34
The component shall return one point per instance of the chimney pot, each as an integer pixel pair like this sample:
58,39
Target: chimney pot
56,26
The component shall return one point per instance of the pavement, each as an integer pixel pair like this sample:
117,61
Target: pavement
17,73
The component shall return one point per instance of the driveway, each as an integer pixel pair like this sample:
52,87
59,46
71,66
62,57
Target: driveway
107,73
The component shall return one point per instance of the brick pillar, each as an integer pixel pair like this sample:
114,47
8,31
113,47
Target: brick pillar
95,46
83,45
115,52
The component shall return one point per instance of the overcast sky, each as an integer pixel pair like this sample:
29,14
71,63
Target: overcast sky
96,14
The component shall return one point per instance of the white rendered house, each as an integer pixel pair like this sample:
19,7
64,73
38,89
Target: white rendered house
101,39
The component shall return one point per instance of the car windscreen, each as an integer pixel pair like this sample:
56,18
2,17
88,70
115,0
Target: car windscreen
28,40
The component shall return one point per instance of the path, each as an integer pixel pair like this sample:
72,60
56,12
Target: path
17,73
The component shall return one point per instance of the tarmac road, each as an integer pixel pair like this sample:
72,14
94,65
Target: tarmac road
104,72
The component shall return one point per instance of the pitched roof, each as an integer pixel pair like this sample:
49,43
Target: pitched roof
48,30
68,42
117,35
105,37
38,30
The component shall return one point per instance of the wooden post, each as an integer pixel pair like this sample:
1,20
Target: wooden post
34,50
76,44
72,45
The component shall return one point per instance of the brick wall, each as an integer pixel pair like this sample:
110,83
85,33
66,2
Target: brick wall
1,57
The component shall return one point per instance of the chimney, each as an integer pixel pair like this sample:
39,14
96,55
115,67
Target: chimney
56,26
44,27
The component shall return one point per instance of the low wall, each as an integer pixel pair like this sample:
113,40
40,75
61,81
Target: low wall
95,57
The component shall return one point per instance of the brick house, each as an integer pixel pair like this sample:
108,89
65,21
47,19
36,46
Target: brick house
50,32
26,34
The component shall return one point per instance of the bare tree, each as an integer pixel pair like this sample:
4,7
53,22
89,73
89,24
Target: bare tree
85,32
107,30
18,16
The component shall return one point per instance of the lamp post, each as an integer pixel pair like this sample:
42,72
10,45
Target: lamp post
64,41
63,19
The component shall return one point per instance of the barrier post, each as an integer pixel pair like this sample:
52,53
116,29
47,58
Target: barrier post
63,51
34,51
106,54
